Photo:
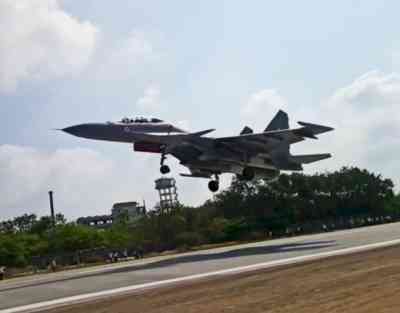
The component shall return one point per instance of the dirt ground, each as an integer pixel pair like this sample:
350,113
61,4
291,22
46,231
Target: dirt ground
364,282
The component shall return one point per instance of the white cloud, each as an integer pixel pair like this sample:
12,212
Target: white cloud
183,124
26,175
151,99
132,56
85,182
264,102
41,41
365,115
135,48
367,126
371,91
261,107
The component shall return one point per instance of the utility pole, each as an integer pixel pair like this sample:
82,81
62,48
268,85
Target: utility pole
53,219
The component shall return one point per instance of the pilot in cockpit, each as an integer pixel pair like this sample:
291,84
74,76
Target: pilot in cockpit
127,120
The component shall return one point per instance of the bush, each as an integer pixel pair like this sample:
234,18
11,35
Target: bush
216,230
189,239
12,251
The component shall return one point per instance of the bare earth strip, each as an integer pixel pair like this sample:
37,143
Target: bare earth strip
363,282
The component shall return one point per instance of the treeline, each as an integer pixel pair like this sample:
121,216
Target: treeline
26,237
244,211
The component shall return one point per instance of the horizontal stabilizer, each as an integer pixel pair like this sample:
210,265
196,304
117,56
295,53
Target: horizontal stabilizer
246,130
309,158
314,129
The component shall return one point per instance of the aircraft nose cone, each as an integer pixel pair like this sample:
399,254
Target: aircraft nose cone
90,130
76,130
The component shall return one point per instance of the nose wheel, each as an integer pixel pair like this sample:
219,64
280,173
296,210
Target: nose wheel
213,185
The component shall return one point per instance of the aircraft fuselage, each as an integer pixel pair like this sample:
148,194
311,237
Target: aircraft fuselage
119,132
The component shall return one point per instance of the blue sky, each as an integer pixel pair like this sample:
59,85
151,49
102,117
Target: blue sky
202,65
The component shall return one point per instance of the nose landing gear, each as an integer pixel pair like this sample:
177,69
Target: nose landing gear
213,185
164,169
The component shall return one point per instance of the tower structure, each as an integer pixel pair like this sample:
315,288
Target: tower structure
167,191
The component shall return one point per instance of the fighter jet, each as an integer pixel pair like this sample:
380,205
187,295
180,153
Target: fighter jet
249,155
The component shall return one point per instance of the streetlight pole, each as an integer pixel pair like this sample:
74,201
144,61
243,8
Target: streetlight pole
53,219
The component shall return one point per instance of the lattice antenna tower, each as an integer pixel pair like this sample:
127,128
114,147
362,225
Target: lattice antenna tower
168,193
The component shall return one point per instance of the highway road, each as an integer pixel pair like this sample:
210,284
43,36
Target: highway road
34,289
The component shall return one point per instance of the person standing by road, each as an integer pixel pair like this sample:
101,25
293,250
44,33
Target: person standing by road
2,272
53,265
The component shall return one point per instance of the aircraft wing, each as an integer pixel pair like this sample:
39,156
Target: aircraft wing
289,136
260,139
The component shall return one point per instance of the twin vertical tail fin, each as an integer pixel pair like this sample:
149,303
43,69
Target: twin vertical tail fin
282,153
246,130
280,121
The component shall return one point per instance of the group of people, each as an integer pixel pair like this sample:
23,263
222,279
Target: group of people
116,256
112,256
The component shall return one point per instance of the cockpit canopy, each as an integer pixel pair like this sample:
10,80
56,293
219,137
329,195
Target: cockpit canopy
127,120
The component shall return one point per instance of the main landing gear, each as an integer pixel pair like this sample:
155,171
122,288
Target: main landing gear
248,174
213,185
164,169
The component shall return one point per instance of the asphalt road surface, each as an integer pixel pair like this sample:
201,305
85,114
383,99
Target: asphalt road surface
40,288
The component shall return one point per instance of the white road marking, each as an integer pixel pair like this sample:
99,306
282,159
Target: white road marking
36,307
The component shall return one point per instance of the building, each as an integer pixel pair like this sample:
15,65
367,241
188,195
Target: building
98,221
121,211
131,211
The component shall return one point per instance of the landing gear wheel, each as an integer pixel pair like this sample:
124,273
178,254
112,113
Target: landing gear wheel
248,174
164,169
213,185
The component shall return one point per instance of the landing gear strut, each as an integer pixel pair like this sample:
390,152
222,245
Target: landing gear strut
213,185
164,169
